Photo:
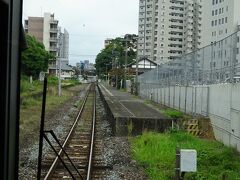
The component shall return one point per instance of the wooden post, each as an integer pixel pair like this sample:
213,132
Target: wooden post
224,177
177,168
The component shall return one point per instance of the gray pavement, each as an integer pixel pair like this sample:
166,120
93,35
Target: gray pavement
125,105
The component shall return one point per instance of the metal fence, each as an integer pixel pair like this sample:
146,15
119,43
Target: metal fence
202,83
216,63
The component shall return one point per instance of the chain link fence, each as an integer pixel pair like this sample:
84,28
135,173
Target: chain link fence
216,63
205,83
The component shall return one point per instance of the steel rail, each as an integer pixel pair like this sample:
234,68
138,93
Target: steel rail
92,137
60,153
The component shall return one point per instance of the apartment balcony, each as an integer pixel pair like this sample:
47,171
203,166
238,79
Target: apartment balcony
189,39
148,28
177,2
189,20
176,36
175,48
141,15
176,40
142,3
188,45
178,11
149,15
148,47
54,53
177,27
142,10
53,39
189,14
176,7
53,22
53,30
189,8
53,48
141,29
175,52
176,23
141,41
148,40
189,27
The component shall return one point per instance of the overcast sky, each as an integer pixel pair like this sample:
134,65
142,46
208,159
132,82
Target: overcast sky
89,22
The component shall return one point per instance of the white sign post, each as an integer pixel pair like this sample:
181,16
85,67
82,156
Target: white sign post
186,161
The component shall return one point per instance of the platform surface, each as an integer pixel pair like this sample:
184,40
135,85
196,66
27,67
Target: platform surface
125,105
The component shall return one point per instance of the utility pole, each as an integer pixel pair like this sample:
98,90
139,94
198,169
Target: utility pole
59,77
116,63
106,72
136,78
125,69
59,65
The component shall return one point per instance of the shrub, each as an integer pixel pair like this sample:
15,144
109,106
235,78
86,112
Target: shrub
52,80
174,114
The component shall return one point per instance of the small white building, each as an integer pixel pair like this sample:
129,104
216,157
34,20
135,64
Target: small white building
66,70
144,65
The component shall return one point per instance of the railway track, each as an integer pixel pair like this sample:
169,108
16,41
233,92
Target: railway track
82,146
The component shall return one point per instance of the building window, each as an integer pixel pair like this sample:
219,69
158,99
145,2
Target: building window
213,2
212,12
226,19
216,11
212,23
215,22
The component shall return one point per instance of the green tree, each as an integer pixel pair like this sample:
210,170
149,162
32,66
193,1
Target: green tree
114,54
35,59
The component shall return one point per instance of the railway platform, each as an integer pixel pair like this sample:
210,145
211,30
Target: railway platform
129,114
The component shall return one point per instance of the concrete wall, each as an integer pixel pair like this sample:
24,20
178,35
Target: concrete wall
220,102
35,27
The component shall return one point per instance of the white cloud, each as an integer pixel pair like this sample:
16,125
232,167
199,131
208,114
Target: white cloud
89,22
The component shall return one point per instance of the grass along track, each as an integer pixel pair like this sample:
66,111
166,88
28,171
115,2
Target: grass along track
156,153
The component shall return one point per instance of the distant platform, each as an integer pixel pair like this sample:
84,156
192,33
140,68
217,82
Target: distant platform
127,109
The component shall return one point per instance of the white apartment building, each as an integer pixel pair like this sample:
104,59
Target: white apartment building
46,30
148,14
63,45
168,28
220,19
192,25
